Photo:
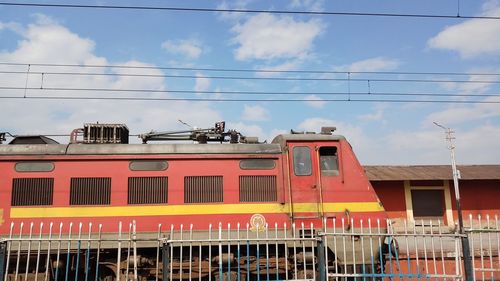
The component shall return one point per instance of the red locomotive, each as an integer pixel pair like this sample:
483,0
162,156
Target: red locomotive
299,178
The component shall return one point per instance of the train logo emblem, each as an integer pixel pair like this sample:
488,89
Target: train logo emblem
257,223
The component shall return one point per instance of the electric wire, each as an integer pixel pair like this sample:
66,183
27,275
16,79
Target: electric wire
251,78
248,11
151,91
250,70
253,100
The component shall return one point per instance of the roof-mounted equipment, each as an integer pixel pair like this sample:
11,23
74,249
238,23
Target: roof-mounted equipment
328,130
97,133
214,134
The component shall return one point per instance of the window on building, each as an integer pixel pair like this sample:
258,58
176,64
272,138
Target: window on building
428,204
328,161
302,161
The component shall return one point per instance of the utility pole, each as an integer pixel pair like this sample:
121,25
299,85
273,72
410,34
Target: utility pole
468,269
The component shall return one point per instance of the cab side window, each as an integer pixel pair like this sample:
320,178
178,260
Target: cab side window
328,161
302,161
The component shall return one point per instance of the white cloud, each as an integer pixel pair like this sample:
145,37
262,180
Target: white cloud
472,37
315,101
371,64
378,115
202,84
13,26
275,69
232,4
47,41
460,114
50,42
192,49
473,88
265,36
311,5
255,113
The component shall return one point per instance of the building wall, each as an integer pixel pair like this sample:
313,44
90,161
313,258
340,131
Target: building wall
391,194
478,198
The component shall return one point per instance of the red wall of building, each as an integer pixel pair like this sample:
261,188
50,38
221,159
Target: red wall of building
392,196
478,197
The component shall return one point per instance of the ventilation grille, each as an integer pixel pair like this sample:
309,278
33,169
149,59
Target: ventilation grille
203,189
90,191
147,190
32,191
258,189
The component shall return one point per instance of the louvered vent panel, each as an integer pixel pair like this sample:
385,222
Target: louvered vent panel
258,189
90,191
147,190
203,189
32,191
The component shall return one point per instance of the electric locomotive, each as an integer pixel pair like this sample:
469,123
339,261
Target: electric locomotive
223,178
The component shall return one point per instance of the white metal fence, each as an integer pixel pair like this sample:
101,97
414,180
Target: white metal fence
354,250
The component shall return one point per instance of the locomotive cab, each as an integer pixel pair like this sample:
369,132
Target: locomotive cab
325,180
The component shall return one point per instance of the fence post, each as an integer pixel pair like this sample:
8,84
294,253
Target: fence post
3,247
468,259
321,257
165,260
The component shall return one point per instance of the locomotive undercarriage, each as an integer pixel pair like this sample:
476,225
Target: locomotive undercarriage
244,262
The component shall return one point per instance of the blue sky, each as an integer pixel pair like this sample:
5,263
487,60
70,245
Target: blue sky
380,132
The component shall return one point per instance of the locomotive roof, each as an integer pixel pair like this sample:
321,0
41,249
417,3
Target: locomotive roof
283,139
276,147
124,149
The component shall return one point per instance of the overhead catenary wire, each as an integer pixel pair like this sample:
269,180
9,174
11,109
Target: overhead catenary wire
158,91
247,11
42,73
215,69
253,100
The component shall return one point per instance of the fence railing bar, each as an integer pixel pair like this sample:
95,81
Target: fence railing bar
286,255
498,238
210,252
294,250
353,244
79,244
9,245
276,245
49,246
157,268
441,249
363,257
38,252
58,254
98,254
433,248
171,256
87,255
372,257
129,247
119,252
191,252
134,244
344,245
28,255
481,253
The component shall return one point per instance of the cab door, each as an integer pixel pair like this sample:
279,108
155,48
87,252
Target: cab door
303,170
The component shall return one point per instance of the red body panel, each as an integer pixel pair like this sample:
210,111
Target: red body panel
350,186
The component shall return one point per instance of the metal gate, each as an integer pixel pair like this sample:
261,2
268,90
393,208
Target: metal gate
261,252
